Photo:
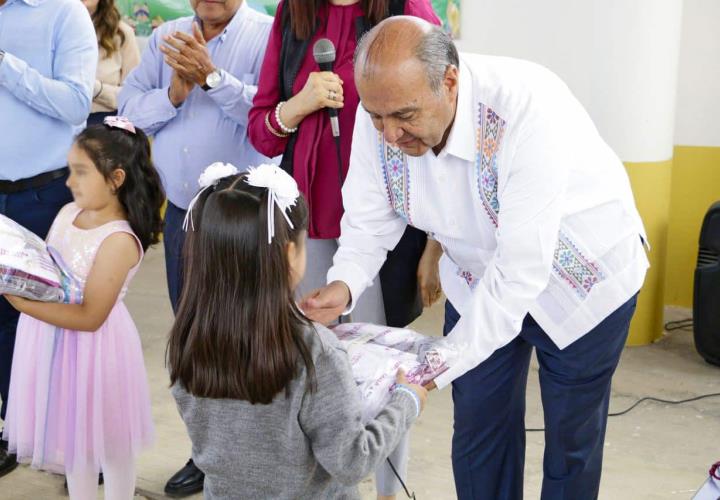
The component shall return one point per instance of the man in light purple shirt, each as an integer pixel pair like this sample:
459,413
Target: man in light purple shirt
192,92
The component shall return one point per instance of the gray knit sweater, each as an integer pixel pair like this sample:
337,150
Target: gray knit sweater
308,445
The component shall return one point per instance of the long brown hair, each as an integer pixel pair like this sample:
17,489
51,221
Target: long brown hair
303,14
107,25
238,333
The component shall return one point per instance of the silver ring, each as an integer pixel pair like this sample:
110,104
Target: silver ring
331,95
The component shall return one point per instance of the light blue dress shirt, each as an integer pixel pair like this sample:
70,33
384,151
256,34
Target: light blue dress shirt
209,126
46,83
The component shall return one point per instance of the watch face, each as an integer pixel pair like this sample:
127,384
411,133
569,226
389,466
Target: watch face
213,79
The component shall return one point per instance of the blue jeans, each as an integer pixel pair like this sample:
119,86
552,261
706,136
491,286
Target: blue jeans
34,209
173,240
488,446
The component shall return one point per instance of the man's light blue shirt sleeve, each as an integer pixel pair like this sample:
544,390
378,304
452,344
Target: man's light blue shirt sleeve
144,98
67,96
234,97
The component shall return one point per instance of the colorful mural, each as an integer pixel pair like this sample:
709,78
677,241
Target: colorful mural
145,15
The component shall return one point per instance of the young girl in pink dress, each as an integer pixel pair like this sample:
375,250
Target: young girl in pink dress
79,400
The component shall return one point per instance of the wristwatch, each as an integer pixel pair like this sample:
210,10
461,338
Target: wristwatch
212,80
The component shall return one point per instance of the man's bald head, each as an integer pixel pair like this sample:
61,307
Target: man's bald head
401,39
407,77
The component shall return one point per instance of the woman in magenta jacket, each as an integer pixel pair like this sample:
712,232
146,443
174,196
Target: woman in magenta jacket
289,118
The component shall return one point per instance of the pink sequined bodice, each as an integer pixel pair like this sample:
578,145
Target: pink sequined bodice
78,246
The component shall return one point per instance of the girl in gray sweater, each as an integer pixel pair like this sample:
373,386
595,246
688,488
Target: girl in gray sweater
268,398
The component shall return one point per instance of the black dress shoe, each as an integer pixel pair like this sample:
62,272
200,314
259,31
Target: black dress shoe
8,461
186,481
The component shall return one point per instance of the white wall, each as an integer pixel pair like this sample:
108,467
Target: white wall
698,94
618,56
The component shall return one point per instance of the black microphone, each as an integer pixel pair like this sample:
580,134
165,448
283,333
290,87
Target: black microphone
324,54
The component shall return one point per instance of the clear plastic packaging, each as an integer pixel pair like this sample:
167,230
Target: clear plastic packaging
28,268
377,352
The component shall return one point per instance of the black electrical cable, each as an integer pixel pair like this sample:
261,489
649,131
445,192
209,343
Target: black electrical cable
669,326
339,161
649,398
407,492
616,414
682,324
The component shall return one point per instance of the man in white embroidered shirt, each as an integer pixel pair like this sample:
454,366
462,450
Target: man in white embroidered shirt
542,242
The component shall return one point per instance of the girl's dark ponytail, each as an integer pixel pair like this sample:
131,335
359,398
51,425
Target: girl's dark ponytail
141,195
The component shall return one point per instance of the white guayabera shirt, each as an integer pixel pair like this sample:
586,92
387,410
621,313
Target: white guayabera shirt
533,210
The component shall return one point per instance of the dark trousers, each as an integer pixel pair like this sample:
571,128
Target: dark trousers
398,279
173,240
488,446
35,209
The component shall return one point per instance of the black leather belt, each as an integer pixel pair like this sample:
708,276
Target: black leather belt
9,187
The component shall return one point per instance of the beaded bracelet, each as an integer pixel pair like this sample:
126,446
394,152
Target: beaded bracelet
416,399
285,129
272,129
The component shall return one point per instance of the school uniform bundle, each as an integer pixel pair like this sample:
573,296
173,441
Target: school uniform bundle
31,269
377,352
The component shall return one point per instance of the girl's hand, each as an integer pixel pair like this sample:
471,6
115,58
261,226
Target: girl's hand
322,90
16,302
428,273
419,390
117,255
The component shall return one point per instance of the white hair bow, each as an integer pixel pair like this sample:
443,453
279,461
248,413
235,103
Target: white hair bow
210,177
282,191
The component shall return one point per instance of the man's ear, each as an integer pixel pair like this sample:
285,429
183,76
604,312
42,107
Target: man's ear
452,79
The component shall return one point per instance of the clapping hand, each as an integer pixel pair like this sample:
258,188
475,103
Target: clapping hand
180,89
188,55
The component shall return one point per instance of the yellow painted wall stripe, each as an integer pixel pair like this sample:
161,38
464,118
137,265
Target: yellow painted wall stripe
651,183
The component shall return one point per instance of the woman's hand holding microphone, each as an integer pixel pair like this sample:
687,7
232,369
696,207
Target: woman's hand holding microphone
323,89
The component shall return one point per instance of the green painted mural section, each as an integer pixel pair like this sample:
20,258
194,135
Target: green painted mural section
145,15
449,12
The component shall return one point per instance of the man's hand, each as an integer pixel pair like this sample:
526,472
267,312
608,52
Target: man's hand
188,55
428,273
180,89
326,304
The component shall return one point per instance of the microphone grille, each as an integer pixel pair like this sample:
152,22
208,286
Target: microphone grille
324,51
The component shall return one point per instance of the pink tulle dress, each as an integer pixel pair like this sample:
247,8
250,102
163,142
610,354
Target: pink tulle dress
79,399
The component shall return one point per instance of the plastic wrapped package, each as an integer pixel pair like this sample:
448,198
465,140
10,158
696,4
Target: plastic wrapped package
28,268
377,352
